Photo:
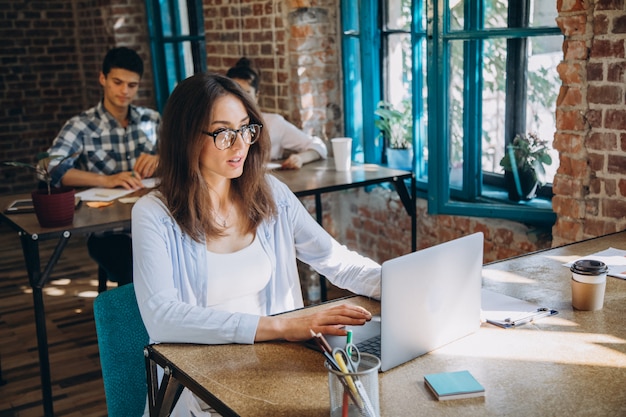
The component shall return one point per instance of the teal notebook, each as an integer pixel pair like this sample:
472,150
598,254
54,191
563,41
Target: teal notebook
454,385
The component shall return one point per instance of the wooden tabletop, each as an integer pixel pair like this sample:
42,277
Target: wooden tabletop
321,176
571,364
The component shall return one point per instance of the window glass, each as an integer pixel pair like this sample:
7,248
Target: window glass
398,80
179,59
543,86
354,97
479,88
174,17
421,113
544,13
398,14
456,14
456,107
496,13
494,104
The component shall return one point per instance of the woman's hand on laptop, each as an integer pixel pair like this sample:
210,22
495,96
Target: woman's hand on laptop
330,321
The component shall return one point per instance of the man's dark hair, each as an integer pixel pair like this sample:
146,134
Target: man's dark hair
124,58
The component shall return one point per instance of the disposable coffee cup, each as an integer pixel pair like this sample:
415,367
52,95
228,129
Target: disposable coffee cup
588,284
342,153
355,393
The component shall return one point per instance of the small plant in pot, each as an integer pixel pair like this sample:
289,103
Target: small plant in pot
523,165
396,129
54,206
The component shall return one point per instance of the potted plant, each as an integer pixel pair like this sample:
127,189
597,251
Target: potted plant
54,207
523,165
396,129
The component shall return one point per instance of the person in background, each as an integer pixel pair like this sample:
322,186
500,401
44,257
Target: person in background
115,145
215,245
285,137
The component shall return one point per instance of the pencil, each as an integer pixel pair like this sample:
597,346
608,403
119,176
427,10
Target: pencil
328,354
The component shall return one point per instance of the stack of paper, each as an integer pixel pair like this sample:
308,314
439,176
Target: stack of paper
110,194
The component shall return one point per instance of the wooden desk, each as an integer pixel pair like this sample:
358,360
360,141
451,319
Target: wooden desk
86,220
320,177
313,179
571,364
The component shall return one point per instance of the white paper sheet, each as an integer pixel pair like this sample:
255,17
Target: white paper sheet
110,194
505,311
615,259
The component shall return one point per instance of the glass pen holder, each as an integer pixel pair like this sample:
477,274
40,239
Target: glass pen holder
356,393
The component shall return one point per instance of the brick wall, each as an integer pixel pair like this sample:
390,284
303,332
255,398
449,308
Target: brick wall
52,51
50,58
295,46
590,184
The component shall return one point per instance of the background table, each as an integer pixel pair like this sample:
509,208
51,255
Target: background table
321,177
313,179
86,220
571,364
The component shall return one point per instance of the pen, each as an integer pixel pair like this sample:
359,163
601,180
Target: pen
357,388
541,312
348,341
344,406
344,369
327,351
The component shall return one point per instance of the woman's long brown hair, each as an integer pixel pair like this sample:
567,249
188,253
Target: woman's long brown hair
182,186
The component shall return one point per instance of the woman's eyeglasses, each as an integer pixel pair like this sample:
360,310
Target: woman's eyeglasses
224,138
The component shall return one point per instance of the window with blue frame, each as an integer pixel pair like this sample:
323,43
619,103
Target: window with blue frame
177,43
471,74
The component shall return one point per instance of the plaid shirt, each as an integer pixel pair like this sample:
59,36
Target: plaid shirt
105,146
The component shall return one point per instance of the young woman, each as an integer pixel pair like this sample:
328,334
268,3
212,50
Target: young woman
215,246
285,137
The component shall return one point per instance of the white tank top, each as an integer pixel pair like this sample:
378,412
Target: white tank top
237,281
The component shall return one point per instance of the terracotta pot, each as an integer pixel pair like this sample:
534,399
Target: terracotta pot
55,209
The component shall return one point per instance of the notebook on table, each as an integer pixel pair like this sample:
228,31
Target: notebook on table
429,298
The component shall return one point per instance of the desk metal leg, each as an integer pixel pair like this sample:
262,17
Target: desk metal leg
408,198
319,216
37,279
163,397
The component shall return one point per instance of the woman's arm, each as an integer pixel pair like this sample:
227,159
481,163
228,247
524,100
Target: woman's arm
287,137
329,321
296,160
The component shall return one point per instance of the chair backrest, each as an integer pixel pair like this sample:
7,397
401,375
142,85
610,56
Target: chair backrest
121,339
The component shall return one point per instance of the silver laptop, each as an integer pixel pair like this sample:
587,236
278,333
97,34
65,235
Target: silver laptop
429,298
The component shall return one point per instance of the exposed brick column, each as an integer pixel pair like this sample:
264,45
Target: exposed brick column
314,59
590,184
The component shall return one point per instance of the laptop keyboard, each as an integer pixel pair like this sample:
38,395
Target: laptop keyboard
371,346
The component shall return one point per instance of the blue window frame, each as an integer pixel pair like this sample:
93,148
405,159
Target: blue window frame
476,72
177,43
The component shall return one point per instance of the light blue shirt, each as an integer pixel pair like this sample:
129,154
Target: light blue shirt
170,271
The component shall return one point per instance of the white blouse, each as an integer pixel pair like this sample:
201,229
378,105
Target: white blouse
237,281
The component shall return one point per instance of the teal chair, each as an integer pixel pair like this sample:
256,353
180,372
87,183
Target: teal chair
121,340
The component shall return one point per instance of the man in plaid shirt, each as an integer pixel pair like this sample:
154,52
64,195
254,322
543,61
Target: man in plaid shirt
115,145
